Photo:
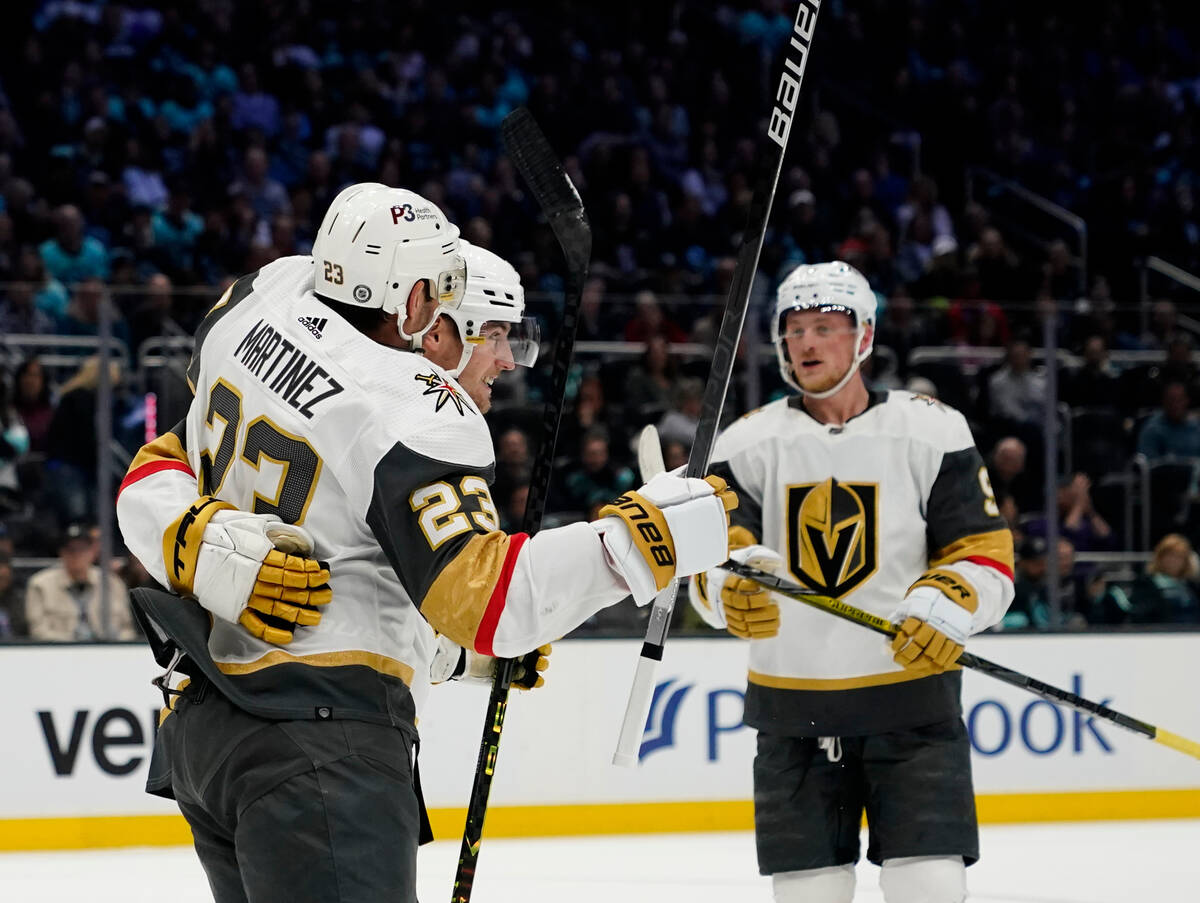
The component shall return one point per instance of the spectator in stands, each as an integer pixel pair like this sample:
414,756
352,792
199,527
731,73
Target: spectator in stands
1031,607
12,603
998,267
597,479
1006,469
975,320
1017,393
1164,322
19,313
649,320
1166,593
71,442
63,603
49,295
254,108
650,383
83,313
1095,384
680,422
1178,365
513,461
71,256
174,231
31,400
1078,519
266,196
903,327
150,312
1169,431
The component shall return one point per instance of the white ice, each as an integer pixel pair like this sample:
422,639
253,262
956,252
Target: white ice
1093,862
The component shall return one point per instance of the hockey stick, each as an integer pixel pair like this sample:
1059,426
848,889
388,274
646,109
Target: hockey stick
563,209
780,127
1050,693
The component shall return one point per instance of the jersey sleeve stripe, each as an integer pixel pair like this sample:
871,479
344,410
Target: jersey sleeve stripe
986,562
152,467
461,593
495,607
995,548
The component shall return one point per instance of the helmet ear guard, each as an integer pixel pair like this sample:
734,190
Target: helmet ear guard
824,286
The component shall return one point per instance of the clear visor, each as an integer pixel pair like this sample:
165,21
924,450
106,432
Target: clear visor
452,284
821,330
513,343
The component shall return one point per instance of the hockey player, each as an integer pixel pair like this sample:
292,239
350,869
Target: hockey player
315,429
880,499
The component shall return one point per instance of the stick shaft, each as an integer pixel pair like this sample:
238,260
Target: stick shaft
1046,691
560,202
729,336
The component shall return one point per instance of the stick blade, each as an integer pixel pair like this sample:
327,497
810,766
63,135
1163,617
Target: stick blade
552,188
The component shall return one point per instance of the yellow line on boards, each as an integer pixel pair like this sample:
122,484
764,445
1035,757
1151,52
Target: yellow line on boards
606,818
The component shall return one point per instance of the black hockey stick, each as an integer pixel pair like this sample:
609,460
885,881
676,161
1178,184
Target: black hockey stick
730,334
560,203
848,612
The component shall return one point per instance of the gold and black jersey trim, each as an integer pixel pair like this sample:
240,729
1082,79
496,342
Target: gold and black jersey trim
458,598
232,297
991,549
960,502
170,446
381,664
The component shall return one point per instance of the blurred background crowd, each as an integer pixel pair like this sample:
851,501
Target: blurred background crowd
1016,183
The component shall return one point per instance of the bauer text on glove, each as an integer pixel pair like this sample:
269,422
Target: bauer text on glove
671,527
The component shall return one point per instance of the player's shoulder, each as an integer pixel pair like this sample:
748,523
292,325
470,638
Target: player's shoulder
416,403
752,428
925,418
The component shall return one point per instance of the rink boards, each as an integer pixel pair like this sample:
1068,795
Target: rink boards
78,723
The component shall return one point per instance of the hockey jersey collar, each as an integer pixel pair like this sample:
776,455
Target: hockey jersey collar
874,397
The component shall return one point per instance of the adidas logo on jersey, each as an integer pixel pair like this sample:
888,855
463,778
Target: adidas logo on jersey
313,324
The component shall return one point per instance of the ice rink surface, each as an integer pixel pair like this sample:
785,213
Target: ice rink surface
1092,862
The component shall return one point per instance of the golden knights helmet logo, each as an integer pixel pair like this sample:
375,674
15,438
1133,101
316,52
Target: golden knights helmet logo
832,534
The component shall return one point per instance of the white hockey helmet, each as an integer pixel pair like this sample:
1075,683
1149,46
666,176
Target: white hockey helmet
494,295
834,286
375,242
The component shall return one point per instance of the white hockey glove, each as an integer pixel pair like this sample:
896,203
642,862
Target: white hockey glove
672,526
248,569
452,662
931,628
746,608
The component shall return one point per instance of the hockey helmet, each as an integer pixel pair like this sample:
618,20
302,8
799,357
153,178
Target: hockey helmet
494,296
834,286
375,242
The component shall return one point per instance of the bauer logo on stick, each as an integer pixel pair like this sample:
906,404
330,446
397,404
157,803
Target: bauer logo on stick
793,72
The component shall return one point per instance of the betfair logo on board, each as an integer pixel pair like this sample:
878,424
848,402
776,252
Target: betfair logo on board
832,534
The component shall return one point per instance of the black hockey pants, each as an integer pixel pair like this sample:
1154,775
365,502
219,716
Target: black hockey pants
292,811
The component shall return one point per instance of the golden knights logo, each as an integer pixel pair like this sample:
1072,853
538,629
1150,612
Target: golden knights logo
833,534
444,391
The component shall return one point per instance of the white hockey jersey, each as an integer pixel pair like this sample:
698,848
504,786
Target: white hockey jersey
385,460
860,512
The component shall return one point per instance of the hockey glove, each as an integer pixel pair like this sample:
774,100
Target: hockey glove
452,662
671,527
746,608
247,569
931,630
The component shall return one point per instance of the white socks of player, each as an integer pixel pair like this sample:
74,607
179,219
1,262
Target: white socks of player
914,879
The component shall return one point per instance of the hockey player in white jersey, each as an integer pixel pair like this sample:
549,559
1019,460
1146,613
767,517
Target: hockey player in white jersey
880,499
314,427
